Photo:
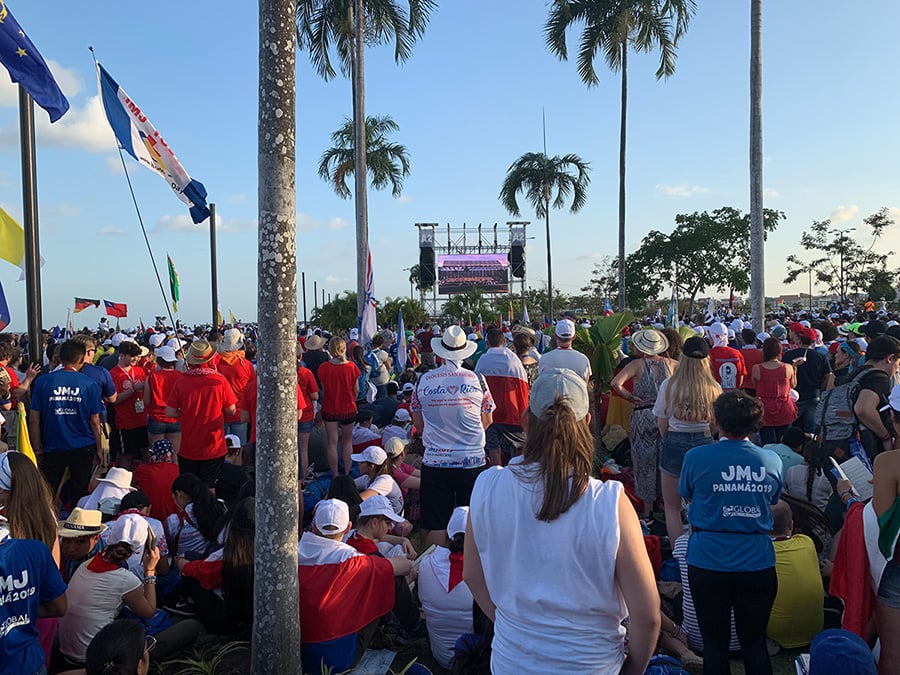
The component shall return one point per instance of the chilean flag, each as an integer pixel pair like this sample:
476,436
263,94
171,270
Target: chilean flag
117,309
341,591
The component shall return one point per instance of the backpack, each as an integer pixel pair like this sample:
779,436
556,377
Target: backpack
835,419
374,364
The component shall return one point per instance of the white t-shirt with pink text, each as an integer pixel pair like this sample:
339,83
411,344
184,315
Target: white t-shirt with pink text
452,401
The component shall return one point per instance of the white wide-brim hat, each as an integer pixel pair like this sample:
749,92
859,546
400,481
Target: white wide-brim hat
453,345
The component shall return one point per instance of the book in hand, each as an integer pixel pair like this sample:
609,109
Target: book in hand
857,473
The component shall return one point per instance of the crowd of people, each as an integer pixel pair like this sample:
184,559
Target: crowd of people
718,527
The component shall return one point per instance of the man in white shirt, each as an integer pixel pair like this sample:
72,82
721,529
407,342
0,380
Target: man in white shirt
564,356
451,407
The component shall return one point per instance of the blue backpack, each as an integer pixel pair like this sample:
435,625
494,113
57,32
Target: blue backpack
661,664
375,365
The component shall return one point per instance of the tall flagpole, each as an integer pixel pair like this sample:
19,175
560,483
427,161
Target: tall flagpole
214,277
30,224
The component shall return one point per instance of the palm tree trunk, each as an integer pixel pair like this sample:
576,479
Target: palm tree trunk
622,177
359,158
275,598
549,258
757,233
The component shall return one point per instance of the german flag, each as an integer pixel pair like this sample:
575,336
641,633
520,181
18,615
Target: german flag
84,303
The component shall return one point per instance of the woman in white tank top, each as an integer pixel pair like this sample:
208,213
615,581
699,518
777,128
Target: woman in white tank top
554,556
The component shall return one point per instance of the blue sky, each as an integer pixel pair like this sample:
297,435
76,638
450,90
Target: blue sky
468,104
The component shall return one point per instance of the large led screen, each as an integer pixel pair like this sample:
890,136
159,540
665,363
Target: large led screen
487,271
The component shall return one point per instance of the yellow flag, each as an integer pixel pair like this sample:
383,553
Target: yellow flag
231,316
23,442
12,240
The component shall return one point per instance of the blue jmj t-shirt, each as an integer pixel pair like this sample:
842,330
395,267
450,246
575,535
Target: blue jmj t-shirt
28,577
731,485
66,400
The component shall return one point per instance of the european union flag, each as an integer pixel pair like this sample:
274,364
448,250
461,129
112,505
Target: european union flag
27,67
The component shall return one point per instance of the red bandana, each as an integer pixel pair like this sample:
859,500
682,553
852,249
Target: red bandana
456,569
362,544
100,564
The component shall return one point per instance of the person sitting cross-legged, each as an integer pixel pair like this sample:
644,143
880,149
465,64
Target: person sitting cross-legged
343,593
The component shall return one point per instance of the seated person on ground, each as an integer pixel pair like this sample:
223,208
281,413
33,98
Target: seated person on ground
445,597
398,428
343,593
364,434
194,530
407,476
377,478
156,477
109,492
79,539
798,613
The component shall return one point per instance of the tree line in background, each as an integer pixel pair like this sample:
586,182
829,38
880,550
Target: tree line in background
705,253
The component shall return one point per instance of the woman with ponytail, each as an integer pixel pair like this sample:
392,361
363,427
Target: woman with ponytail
554,556
808,480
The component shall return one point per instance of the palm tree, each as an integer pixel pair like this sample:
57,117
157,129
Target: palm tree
757,226
386,162
611,26
275,565
538,177
346,26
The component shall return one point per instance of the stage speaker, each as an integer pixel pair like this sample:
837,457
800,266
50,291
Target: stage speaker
517,261
426,267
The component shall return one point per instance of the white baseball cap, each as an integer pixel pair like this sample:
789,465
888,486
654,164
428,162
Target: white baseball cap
402,415
373,455
332,516
565,328
457,524
378,505
165,353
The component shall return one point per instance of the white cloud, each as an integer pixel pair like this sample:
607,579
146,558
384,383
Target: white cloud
842,213
179,223
111,232
680,190
331,279
68,80
82,128
404,199
114,162
590,256
306,223
338,223
894,213
771,193
234,224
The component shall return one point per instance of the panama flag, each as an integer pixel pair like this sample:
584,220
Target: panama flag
401,342
368,322
607,308
141,140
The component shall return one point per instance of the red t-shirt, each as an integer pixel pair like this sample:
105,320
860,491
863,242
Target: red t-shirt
126,416
337,387
159,386
156,478
202,399
751,358
248,403
728,367
306,385
238,373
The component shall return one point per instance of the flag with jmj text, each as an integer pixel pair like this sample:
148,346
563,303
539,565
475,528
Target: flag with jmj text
27,67
401,342
140,139
368,322
4,310
174,284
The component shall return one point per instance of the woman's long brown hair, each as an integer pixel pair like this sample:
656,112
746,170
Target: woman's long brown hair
30,508
563,449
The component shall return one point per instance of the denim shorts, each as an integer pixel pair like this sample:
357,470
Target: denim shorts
889,586
157,428
675,446
305,427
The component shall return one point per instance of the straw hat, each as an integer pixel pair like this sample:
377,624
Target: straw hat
453,345
81,523
199,352
650,342
314,342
